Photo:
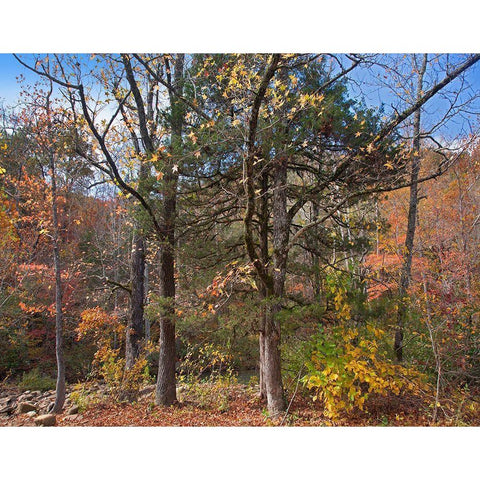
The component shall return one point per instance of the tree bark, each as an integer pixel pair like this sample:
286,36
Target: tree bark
135,326
145,317
314,255
263,214
60,385
281,230
270,370
166,389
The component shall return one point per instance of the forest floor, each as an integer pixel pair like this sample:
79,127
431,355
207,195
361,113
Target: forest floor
241,407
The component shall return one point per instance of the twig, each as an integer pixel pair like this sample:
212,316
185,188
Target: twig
293,396
435,351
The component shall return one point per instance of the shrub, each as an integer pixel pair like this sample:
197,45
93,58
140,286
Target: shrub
346,365
34,380
14,348
202,360
207,374
123,384
107,362
211,393
82,396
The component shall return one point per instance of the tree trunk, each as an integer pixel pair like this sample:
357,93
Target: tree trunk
315,258
135,337
412,221
60,386
135,326
146,319
272,363
166,389
281,230
263,214
262,393
271,338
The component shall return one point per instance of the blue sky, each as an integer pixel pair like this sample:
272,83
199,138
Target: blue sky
11,70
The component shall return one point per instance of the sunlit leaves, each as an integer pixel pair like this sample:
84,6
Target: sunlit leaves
347,366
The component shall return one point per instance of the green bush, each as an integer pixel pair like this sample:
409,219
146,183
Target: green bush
14,350
84,395
34,380
232,331
348,364
207,375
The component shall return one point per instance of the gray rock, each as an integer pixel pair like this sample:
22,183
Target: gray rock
144,392
46,420
71,417
7,410
24,407
25,397
73,410
31,414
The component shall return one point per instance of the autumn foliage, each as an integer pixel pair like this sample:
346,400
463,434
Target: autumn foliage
222,217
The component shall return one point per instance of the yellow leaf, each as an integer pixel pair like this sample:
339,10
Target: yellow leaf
192,137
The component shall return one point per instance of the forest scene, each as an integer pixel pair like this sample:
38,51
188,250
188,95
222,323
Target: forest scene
268,239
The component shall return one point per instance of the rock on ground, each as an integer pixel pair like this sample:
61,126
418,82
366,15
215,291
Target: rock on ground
24,407
73,410
46,420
